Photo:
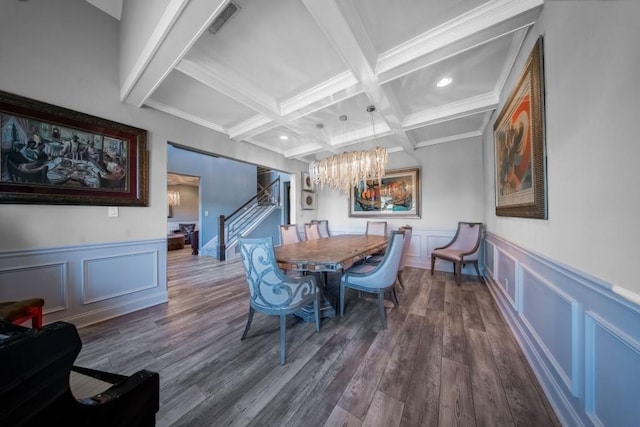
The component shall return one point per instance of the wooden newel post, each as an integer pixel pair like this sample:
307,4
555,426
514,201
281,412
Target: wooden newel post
221,243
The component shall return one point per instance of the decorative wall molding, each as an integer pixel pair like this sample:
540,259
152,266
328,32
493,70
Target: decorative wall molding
580,337
85,284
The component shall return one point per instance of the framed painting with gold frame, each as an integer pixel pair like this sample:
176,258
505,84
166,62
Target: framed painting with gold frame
520,159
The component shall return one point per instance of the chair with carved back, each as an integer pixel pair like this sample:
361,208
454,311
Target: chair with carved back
271,291
462,249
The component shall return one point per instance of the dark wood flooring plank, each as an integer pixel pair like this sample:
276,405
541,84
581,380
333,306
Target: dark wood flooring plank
342,418
490,402
454,339
385,411
456,401
282,408
359,393
404,357
423,391
470,311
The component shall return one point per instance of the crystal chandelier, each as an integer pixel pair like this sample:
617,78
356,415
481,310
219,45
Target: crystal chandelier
174,198
344,171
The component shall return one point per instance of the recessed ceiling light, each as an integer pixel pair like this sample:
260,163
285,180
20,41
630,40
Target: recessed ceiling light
445,81
284,137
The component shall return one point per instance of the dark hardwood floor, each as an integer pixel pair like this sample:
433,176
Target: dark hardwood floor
446,359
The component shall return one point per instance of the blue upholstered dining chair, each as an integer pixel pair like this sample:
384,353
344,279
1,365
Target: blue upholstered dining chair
375,259
376,278
271,292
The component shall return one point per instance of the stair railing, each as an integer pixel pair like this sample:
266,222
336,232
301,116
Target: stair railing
231,226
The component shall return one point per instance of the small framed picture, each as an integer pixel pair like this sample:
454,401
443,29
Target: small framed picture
307,185
308,200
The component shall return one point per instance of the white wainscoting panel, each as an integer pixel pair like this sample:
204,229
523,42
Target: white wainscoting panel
110,277
612,374
86,284
47,281
581,339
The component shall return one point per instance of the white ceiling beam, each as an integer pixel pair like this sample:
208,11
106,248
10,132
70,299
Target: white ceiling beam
351,42
455,110
486,22
180,26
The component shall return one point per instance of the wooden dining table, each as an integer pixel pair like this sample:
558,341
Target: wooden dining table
329,254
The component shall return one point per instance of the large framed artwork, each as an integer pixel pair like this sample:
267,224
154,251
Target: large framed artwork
520,147
396,195
52,155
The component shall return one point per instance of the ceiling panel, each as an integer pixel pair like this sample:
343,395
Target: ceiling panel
390,23
197,100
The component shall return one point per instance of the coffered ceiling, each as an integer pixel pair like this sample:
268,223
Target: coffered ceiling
280,73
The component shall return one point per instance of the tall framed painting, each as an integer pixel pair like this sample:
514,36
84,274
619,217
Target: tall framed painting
520,168
52,155
396,195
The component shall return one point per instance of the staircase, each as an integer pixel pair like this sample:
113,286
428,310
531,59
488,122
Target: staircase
243,221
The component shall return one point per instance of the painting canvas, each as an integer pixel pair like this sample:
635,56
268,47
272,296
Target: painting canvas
519,146
397,194
51,155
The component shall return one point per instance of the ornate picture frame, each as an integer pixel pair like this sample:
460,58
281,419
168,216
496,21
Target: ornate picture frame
53,155
397,195
519,140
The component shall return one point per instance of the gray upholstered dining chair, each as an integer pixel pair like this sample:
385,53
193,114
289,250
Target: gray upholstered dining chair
463,249
289,234
323,226
271,292
312,231
374,259
376,278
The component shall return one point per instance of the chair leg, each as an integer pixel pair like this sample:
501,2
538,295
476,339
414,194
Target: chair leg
475,264
433,264
36,320
342,299
383,318
316,306
457,269
283,327
249,320
394,297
